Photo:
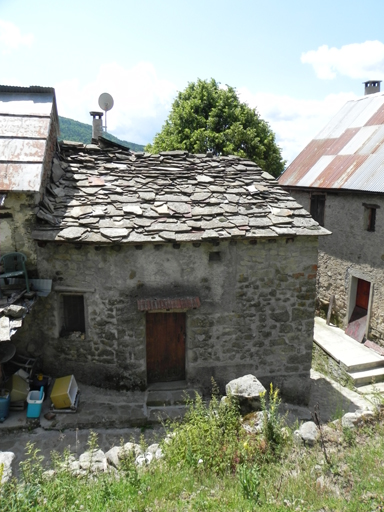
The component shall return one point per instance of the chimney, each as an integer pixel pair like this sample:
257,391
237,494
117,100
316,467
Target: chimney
372,86
97,126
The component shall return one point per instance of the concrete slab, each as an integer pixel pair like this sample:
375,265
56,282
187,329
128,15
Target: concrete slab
350,353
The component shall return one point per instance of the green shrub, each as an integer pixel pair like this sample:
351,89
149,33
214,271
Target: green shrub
209,438
249,478
272,421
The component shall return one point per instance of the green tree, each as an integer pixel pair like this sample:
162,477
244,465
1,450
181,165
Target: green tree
205,117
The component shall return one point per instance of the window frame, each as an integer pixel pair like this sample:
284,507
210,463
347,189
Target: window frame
68,325
317,207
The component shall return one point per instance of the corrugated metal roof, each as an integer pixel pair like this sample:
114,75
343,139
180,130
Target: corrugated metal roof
164,304
26,114
348,153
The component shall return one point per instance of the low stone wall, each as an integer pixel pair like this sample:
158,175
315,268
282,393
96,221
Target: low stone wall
325,364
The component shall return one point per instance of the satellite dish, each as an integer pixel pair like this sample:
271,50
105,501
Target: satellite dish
105,103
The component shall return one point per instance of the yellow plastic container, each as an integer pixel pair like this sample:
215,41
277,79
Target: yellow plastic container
64,392
18,388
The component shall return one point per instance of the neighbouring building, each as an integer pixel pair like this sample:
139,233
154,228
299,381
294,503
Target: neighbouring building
170,267
339,178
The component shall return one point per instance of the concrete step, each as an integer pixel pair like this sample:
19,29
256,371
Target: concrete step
162,414
169,397
363,378
349,353
365,366
170,394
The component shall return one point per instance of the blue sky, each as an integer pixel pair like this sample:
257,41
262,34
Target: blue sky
296,61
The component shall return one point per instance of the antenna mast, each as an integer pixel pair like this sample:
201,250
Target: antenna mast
105,103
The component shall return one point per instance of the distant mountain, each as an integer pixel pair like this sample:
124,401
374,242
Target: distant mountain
82,132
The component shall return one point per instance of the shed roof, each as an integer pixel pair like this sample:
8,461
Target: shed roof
26,114
111,194
347,154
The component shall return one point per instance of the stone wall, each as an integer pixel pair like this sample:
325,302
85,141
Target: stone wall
351,251
256,314
16,224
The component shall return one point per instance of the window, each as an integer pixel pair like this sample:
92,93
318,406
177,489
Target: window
318,207
73,314
370,216
214,256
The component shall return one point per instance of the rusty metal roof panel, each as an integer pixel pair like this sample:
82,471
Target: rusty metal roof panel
26,104
374,142
31,127
340,122
368,106
338,171
22,150
315,171
21,177
304,161
377,117
370,176
166,304
358,141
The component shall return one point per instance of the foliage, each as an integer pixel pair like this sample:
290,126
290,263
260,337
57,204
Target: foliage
206,117
297,481
82,132
272,421
209,438
249,477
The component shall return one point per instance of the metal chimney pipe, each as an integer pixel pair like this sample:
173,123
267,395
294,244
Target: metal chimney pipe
97,126
372,86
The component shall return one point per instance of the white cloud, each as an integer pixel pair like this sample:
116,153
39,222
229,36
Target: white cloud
295,122
141,100
358,60
11,37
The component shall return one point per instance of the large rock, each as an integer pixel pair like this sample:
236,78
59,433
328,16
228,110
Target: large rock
247,390
308,432
6,459
94,461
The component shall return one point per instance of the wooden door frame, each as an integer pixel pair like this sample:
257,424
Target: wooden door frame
352,293
184,346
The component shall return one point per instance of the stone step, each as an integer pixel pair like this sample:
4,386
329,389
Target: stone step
364,366
363,378
162,414
170,397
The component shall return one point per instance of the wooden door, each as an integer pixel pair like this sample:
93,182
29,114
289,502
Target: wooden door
165,347
362,295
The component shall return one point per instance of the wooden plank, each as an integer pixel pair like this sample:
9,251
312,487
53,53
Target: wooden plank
165,340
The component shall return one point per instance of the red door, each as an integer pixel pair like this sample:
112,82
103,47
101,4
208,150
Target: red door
165,347
362,295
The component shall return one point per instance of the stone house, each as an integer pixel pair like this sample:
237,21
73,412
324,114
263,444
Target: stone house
171,267
339,178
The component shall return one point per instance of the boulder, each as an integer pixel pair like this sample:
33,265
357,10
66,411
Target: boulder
94,460
309,433
247,390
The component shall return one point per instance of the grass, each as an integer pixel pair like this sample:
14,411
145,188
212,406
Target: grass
211,463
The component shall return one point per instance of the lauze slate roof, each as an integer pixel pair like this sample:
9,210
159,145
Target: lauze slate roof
347,154
111,194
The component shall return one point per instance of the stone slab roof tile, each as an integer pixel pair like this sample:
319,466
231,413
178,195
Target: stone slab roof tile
110,195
